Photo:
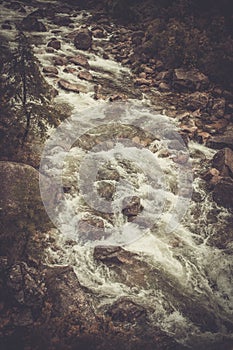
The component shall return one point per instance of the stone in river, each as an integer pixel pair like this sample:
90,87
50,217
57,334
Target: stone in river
64,84
55,44
85,75
83,39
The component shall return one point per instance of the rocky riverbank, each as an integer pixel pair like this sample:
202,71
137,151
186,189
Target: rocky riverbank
85,57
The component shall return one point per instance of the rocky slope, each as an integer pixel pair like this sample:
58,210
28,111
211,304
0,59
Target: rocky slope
162,294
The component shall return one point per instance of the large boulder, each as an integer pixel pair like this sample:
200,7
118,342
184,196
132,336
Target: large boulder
83,39
22,212
190,80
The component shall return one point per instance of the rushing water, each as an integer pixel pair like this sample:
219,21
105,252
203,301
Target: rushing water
188,287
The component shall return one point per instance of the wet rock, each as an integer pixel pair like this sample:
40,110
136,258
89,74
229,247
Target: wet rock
80,60
83,39
113,255
14,5
31,24
223,192
64,84
49,50
131,206
221,141
62,21
6,26
55,44
50,70
98,33
189,79
126,310
85,75
70,70
60,61
223,161
197,100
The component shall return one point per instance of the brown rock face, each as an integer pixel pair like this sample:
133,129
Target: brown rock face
189,79
223,193
223,161
221,141
83,40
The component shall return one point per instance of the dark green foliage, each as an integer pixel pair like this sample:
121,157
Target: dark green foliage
24,95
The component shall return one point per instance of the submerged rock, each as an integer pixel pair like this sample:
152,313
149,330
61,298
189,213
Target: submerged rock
132,206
